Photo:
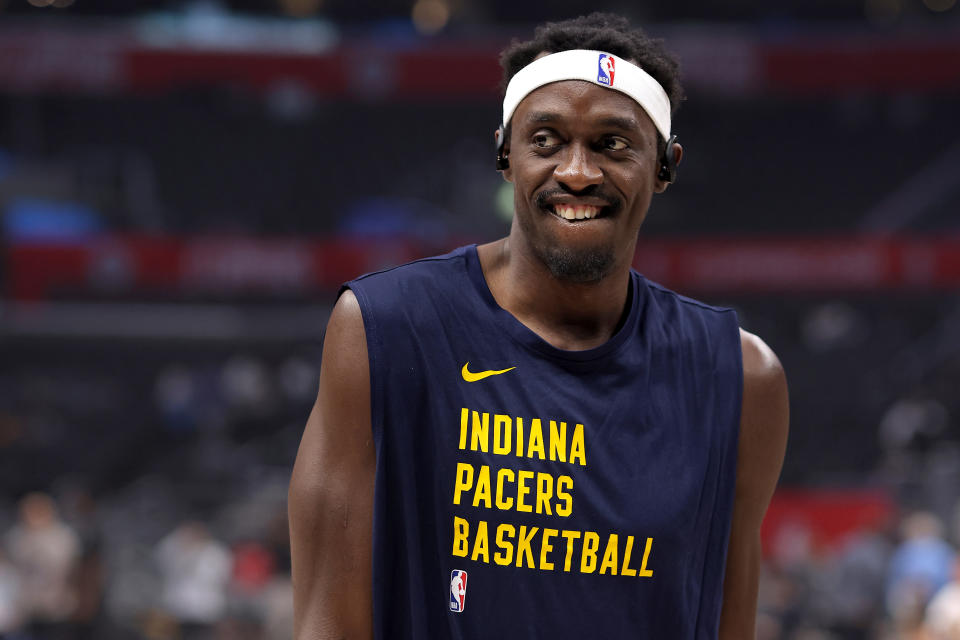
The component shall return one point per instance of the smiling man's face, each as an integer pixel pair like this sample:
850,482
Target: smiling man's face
583,161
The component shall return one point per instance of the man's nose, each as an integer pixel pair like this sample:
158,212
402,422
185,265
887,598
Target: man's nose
578,168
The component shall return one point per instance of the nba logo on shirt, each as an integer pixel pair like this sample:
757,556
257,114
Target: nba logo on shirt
606,70
458,590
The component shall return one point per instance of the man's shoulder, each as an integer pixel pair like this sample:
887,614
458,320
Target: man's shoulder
760,363
665,295
673,321
410,290
759,360
429,267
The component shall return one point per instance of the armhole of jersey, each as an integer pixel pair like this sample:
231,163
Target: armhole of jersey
377,398
738,358
730,443
374,364
732,451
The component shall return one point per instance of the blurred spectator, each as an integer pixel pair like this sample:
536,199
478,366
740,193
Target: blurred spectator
768,627
261,592
851,597
246,387
833,325
278,608
45,552
175,395
943,613
781,601
277,597
915,423
9,589
253,566
196,570
80,510
920,566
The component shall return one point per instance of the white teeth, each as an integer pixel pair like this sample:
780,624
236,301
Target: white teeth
579,212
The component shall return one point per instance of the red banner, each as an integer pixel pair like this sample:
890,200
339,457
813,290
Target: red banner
124,58
802,520
809,264
238,266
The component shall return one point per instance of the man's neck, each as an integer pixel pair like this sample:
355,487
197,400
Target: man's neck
571,316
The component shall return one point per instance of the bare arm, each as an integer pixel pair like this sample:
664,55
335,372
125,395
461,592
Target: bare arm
763,439
331,492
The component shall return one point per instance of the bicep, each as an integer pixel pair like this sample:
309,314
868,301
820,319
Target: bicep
763,438
331,491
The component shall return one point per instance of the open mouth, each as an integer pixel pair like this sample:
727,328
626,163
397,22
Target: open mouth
573,213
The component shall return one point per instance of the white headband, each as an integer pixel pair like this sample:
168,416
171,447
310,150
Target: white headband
599,68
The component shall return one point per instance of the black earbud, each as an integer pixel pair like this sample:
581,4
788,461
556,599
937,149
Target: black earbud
502,161
668,162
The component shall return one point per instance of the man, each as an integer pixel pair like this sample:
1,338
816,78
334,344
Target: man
526,439
44,552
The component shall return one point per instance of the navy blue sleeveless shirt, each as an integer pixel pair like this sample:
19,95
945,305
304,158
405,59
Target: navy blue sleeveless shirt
524,491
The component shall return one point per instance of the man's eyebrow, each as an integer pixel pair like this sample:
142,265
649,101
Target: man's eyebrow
543,116
620,122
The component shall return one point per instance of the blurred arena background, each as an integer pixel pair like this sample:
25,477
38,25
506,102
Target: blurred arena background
184,184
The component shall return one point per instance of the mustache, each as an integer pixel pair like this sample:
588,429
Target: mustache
593,191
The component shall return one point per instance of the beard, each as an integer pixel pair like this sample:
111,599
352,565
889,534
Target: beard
580,265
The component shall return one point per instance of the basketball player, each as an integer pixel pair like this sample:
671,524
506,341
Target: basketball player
527,439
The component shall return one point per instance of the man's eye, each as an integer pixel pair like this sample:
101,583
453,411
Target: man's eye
545,140
615,144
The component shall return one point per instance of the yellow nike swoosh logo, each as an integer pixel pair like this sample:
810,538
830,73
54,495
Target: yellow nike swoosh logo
480,375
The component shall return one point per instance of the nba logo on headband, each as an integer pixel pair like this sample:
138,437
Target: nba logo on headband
606,70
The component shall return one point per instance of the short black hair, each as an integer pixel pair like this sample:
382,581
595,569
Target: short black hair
603,32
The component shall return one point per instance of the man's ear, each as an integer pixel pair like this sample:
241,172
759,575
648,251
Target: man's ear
505,152
660,185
